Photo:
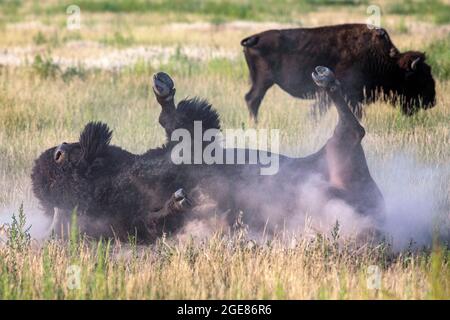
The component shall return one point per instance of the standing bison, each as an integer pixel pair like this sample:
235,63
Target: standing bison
364,59
118,193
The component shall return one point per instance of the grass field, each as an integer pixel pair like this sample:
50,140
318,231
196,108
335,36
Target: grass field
53,80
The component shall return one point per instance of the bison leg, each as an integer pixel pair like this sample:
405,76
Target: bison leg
348,130
56,222
60,225
164,89
155,222
347,167
178,202
355,104
321,105
255,96
352,90
261,78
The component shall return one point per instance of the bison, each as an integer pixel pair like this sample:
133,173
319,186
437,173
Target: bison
364,59
118,193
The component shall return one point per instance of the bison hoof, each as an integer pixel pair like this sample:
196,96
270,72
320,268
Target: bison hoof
324,78
163,85
181,199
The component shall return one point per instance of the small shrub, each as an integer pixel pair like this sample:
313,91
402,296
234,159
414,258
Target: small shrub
18,234
45,66
39,38
73,72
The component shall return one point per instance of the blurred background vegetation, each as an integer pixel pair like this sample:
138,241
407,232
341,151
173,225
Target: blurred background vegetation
222,10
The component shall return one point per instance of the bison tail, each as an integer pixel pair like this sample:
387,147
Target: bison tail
250,41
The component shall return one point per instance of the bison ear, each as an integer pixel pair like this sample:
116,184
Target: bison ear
94,140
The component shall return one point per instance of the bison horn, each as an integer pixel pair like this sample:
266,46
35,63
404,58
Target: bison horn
414,63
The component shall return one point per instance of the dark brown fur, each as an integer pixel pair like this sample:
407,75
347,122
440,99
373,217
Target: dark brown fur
118,193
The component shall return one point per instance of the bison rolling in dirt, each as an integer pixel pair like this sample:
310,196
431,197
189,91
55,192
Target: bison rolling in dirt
118,193
364,59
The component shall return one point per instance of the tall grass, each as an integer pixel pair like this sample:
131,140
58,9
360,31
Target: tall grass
222,267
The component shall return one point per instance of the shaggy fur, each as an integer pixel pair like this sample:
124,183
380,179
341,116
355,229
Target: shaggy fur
118,193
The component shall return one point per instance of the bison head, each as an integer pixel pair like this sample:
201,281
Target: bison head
63,176
418,88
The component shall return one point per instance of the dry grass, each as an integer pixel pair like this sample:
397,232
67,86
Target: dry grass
221,268
37,113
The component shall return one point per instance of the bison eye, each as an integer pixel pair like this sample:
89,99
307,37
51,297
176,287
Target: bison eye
59,156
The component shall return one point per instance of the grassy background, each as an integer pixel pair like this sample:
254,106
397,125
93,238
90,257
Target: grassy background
220,268
43,103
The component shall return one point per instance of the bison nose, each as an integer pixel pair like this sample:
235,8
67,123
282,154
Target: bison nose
60,153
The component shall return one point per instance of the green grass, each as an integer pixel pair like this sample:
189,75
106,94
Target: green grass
10,6
434,10
219,9
438,54
183,66
119,39
215,10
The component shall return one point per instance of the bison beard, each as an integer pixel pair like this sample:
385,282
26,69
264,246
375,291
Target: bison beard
365,61
118,194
